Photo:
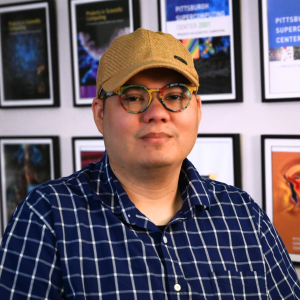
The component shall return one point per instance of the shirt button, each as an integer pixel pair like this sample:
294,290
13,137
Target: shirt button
165,239
177,287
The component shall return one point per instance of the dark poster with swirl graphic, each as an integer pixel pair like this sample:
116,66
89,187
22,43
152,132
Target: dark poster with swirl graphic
282,188
26,56
94,25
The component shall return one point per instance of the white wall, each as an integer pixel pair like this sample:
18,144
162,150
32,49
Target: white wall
250,118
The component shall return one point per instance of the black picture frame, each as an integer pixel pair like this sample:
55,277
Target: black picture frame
279,59
223,85
218,156
88,46
86,150
280,193
28,55
25,162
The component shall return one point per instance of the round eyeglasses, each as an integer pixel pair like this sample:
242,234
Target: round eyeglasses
135,99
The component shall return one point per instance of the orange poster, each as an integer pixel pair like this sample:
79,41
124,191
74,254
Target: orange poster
286,198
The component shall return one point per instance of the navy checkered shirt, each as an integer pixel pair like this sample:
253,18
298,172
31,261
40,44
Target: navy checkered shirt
80,237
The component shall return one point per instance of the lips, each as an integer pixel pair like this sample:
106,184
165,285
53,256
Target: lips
153,135
156,138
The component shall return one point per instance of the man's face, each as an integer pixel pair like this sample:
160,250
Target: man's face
155,138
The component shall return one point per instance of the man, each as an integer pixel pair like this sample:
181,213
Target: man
141,223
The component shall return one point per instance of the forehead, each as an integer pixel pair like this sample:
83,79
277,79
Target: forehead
157,77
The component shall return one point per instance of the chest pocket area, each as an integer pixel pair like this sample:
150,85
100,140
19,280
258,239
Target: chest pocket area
247,285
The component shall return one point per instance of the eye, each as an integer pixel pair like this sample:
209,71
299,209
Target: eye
176,93
130,98
174,97
134,94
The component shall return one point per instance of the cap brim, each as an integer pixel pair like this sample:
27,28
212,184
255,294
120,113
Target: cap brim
124,75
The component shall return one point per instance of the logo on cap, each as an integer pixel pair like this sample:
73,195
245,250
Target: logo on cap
180,59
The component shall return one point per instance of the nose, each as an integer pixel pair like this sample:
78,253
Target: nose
156,112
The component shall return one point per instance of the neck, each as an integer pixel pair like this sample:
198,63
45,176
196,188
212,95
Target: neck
154,192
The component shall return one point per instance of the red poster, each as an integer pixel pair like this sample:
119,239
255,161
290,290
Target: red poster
90,156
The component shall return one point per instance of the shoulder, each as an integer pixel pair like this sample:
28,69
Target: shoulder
227,194
49,199
51,190
234,202
222,199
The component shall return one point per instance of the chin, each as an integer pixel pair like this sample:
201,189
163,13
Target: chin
159,162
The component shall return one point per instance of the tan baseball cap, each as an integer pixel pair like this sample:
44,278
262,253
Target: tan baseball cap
143,49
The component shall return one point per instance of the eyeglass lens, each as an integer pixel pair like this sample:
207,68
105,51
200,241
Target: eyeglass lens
136,99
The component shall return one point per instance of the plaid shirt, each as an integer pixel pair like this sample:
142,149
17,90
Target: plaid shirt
80,237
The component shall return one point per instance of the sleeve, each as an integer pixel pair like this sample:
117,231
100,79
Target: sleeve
29,264
282,278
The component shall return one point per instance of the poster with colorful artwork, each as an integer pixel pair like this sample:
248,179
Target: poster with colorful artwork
280,50
286,196
281,182
210,30
94,25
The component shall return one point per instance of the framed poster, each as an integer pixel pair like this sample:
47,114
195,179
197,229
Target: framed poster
281,187
94,24
25,162
28,55
211,31
217,156
86,150
280,49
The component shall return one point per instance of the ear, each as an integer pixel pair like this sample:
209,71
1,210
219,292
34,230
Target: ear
199,106
97,107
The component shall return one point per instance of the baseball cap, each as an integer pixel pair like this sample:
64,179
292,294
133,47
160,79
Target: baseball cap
143,49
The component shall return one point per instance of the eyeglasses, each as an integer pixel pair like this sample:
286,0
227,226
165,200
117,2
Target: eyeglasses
135,99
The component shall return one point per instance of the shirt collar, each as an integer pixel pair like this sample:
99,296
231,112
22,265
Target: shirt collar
194,189
108,190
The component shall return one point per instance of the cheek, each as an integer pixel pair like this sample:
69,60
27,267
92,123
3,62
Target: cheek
118,128
189,124
188,130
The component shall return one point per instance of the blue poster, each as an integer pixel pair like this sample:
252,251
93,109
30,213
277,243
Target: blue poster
178,10
25,55
284,23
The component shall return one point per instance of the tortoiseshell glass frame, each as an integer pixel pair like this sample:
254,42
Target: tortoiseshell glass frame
119,91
